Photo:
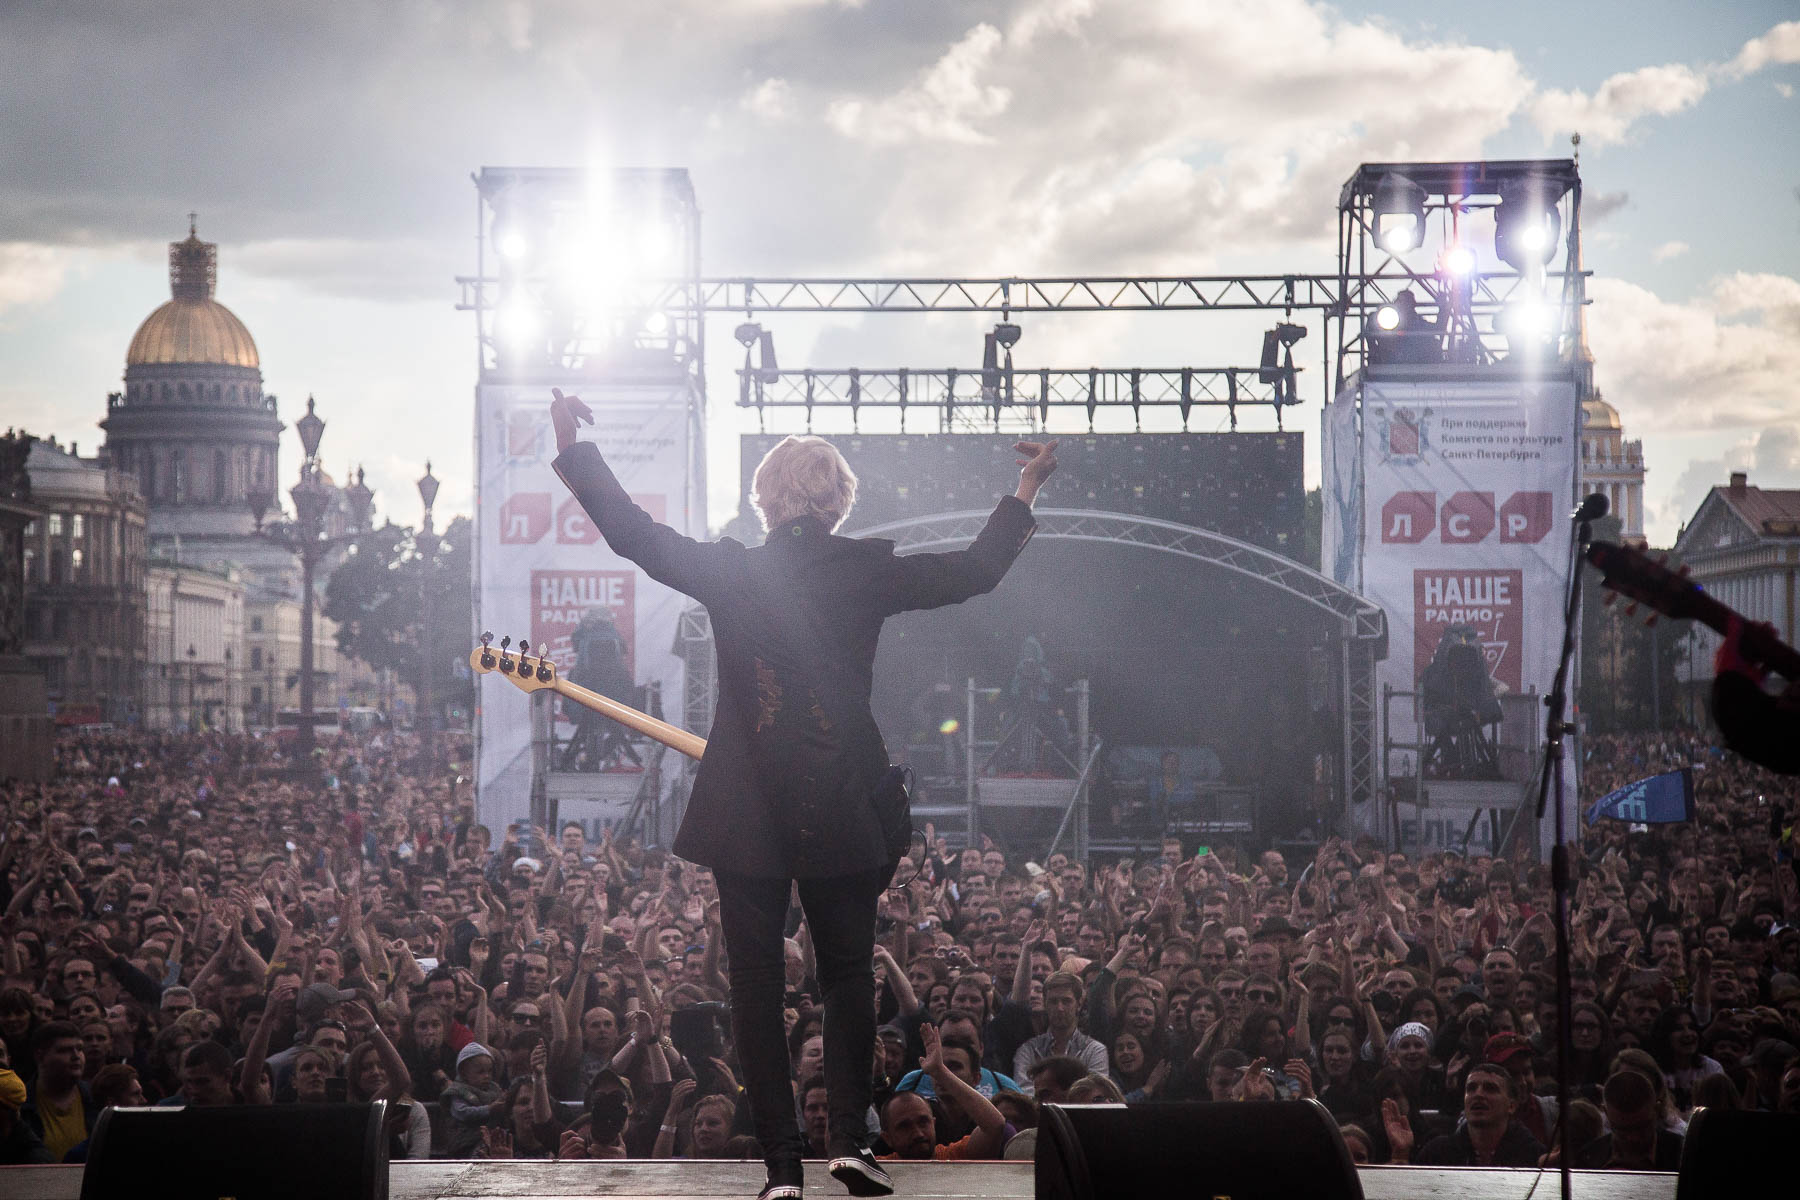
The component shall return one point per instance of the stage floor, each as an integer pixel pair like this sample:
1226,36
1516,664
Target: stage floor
929,1181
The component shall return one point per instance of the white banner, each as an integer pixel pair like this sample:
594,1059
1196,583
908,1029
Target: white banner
542,568
1466,492
1454,512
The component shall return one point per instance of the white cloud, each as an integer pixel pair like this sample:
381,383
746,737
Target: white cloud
772,100
31,274
1770,457
1779,46
1726,360
1668,250
1621,101
947,103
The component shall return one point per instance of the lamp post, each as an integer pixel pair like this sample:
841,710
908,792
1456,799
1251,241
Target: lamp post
305,538
193,679
428,489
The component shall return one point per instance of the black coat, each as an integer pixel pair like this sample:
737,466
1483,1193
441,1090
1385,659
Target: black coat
736,821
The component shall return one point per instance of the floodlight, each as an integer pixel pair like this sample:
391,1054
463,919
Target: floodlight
1387,318
512,244
1007,334
1529,324
747,334
1459,260
517,323
1399,213
1526,229
657,324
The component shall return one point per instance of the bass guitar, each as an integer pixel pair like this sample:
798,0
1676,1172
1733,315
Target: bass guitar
540,674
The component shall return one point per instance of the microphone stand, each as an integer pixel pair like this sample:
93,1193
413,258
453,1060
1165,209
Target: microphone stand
1555,727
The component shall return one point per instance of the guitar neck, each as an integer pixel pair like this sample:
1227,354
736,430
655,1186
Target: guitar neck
1756,643
669,735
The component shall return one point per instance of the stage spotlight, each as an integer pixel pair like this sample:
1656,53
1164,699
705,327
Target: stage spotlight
1526,230
1529,325
1387,318
1399,214
1459,260
517,324
657,324
748,334
1007,334
512,244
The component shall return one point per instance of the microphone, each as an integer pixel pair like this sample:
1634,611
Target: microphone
1593,508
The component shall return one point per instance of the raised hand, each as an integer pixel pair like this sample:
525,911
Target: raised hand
1399,1132
567,415
933,1062
1038,464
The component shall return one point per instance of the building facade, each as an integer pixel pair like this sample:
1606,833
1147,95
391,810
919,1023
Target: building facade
84,565
194,668
1743,547
1613,466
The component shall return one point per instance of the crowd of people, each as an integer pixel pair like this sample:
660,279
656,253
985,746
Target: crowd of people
192,920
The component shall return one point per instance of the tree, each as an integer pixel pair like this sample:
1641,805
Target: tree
1627,666
377,597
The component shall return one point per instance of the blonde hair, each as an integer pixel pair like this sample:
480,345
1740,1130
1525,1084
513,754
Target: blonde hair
803,477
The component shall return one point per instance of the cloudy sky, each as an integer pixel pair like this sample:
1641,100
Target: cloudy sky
327,147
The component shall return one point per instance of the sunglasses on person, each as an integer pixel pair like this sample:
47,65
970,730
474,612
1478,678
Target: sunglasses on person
1262,996
526,1018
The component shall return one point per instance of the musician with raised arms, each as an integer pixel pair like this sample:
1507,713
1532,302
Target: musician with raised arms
795,782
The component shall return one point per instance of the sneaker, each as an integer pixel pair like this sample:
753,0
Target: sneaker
784,1183
861,1174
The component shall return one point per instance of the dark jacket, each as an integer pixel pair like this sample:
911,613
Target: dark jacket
1597,1155
1517,1148
804,601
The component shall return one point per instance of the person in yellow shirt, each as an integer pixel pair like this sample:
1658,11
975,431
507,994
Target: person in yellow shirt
59,1108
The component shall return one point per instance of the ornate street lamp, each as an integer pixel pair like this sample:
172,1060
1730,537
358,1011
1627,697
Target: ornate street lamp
428,490
305,537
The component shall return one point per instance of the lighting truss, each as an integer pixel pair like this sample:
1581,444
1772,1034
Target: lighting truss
971,392
1459,197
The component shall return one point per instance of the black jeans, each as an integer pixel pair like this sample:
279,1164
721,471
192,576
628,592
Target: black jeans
840,912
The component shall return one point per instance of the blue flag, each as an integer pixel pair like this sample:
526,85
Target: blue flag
1659,800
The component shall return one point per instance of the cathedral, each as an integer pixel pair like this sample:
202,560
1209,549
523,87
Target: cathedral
195,429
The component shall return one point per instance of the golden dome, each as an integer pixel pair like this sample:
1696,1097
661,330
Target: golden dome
192,327
1598,414
192,331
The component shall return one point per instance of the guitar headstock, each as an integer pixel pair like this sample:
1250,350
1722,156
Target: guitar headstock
1643,579
521,670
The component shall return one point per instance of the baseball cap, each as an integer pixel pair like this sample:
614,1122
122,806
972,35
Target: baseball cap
316,998
1502,1048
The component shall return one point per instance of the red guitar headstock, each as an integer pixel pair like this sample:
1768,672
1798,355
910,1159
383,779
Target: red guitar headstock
1635,574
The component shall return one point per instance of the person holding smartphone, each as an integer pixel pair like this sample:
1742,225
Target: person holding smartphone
795,784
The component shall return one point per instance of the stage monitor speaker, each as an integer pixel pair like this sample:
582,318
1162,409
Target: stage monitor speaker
1728,1151
253,1152
1273,1150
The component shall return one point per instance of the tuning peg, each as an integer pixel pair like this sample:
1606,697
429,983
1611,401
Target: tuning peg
486,637
506,641
524,649
545,671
